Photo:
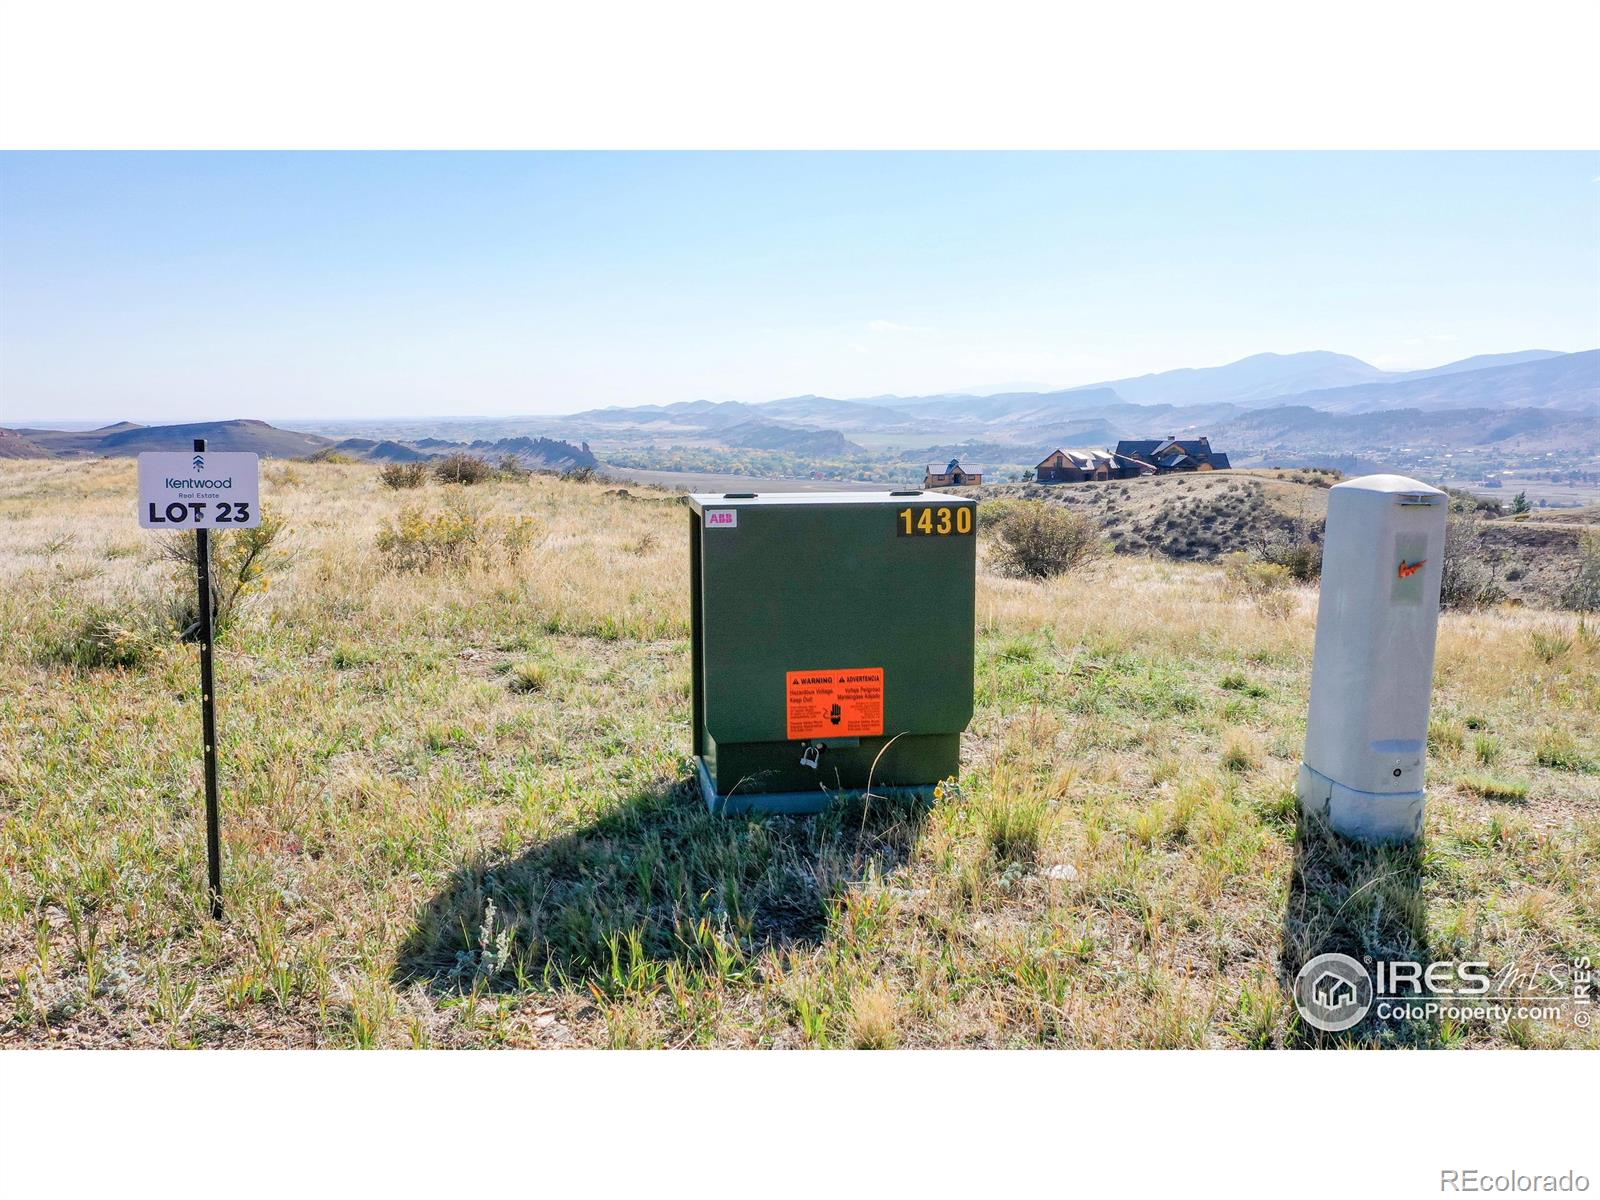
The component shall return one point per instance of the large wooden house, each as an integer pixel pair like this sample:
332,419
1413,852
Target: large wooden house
950,475
1079,466
1169,454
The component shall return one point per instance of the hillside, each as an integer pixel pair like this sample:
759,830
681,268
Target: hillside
384,451
1480,361
457,813
1201,517
1300,426
769,435
1569,382
14,445
127,439
1255,378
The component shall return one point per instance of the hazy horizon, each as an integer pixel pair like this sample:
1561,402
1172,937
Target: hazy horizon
378,417
169,287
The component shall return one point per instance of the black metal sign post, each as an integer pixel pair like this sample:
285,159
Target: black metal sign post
208,715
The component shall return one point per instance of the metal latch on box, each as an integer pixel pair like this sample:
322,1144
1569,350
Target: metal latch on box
811,755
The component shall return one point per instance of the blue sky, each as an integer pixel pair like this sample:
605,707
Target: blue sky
283,286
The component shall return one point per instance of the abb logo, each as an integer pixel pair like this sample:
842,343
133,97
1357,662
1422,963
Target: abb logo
722,518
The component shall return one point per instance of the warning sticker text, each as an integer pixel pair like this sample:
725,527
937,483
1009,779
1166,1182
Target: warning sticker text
836,704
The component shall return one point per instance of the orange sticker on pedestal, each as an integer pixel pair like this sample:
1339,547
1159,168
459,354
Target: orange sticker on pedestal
836,704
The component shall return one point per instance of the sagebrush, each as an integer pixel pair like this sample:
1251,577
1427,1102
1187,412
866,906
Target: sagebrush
1034,539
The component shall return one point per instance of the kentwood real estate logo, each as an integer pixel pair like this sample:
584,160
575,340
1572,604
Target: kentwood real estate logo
1335,992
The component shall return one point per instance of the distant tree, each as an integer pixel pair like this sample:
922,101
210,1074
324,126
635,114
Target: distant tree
1520,504
1027,477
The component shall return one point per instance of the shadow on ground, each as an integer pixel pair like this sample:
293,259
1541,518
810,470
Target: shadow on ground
1364,901
656,880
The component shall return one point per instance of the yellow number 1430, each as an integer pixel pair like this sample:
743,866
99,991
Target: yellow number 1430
937,521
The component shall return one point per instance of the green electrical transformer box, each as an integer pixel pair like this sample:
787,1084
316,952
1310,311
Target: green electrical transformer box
832,636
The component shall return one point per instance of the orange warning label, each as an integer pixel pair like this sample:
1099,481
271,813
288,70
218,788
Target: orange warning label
830,704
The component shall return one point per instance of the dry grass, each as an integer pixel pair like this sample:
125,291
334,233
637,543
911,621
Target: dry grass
456,812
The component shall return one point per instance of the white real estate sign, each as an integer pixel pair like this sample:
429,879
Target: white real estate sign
199,490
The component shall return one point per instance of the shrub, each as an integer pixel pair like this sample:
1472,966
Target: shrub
1487,747
404,475
1548,647
871,1024
1466,579
528,677
101,639
419,540
1446,735
458,535
1015,823
1293,542
1236,681
460,468
1017,649
1299,555
1264,584
330,457
1557,750
1253,577
348,655
515,535
511,467
1035,539
1323,477
1240,755
241,561
1582,594
1588,637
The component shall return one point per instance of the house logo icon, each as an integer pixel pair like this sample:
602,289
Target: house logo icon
1332,992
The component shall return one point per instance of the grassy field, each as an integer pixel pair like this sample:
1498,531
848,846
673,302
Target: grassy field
457,809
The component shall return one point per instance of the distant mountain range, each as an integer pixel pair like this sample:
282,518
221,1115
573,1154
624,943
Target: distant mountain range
1278,406
1252,399
126,438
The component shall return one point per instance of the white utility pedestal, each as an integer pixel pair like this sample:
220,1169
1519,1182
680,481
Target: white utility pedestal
1372,674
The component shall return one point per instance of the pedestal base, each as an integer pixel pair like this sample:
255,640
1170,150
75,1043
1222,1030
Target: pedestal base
737,802
1363,816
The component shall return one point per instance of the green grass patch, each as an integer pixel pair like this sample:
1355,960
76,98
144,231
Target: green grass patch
1493,787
